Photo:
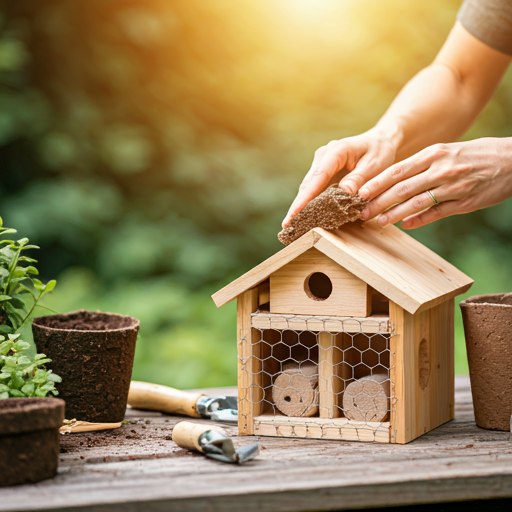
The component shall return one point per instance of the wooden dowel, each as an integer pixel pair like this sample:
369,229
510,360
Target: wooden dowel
295,390
367,399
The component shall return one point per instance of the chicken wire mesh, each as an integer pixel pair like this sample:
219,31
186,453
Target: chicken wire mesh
327,373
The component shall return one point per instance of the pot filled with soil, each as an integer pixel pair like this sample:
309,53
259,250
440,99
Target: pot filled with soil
93,354
488,330
29,439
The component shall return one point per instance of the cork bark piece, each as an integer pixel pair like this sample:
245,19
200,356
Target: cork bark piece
330,210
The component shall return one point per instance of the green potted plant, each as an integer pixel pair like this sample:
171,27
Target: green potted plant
29,422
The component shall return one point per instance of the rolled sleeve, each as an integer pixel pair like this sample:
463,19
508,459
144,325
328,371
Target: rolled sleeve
490,21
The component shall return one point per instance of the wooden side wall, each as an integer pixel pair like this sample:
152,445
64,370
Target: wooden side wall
422,370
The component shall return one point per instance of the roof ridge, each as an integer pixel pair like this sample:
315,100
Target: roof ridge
387,259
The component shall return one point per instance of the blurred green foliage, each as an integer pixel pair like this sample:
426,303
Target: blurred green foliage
151,148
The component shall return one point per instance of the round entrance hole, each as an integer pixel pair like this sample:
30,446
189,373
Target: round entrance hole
318,286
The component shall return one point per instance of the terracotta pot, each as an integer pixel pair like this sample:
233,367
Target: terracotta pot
29,439
488,329
93,353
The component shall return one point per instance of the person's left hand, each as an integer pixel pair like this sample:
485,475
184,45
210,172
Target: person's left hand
463,177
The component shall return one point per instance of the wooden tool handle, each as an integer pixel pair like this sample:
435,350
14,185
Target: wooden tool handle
155,397
186,434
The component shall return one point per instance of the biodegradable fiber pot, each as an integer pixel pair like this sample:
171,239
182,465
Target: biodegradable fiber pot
29,439
488,330
93,353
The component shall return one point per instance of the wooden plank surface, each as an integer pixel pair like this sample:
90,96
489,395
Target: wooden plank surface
138,468
371,324
395,264
321,428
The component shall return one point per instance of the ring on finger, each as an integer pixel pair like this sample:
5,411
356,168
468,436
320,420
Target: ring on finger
433,196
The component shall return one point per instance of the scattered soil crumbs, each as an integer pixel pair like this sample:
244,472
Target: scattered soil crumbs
330,210
137,439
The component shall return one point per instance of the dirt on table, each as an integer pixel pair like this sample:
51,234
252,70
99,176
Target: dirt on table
330,210
138,439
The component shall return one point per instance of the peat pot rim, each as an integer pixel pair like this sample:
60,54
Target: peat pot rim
489,299
18,415
38,322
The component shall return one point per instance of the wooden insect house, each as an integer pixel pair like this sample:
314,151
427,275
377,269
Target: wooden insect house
348,335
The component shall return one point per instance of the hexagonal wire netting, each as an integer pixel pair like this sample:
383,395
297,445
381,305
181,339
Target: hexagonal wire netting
320,367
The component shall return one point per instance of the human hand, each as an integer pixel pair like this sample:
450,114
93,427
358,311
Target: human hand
463,176
365,155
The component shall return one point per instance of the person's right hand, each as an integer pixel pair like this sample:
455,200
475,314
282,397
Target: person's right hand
363,156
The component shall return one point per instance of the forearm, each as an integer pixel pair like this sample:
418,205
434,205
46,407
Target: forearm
443,100
433,107
437,105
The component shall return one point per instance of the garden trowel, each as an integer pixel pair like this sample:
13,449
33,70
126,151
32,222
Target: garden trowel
156,397
212,441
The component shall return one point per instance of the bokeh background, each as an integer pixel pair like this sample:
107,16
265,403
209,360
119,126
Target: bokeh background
152,148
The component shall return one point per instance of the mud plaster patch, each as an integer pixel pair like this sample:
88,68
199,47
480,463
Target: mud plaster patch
330,210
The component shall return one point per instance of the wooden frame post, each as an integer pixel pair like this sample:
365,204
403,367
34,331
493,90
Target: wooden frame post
330,385
250,390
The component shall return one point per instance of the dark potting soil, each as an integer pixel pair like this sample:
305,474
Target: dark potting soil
93,353
29,439
86,321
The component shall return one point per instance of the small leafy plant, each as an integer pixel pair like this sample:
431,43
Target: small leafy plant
14,278
20,375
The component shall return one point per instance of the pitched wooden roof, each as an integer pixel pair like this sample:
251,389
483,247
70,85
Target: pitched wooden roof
389,260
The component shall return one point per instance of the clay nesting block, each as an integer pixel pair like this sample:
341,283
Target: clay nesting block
330,210
488,330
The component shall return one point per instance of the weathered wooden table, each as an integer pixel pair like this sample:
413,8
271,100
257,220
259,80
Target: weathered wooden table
138,467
